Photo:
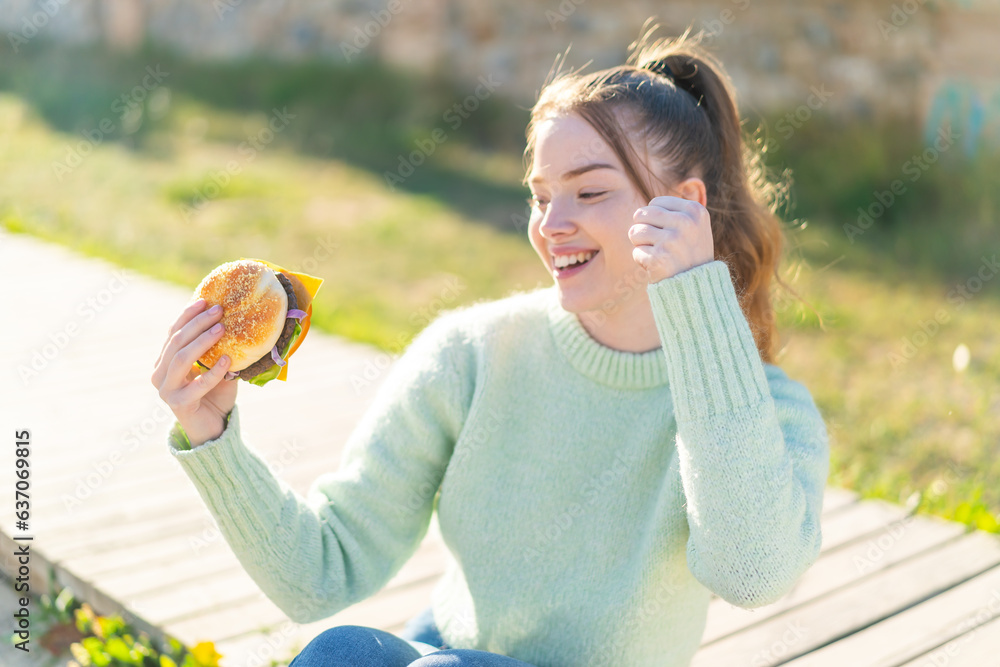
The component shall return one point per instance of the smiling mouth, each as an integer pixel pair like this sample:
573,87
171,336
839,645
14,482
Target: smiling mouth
574,260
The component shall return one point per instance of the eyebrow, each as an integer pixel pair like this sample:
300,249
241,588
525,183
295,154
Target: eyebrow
573,173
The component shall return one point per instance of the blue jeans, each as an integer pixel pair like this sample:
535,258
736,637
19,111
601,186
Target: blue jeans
361,646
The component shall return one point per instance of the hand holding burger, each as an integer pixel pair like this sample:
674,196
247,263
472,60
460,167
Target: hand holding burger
247,319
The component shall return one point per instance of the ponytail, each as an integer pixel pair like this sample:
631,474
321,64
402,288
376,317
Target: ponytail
685,106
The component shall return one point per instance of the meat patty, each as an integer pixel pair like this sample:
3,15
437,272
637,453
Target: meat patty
266,361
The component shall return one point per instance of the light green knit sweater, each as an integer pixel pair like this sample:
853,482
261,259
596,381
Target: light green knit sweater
591,499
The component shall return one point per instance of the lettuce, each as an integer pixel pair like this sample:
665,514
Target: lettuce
263,378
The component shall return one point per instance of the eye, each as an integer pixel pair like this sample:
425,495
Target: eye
535,200
592,195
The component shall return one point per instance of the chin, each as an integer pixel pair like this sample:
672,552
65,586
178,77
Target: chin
577,300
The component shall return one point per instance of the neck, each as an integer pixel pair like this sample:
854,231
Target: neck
630,328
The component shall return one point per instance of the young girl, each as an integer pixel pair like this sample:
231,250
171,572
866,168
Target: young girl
603,454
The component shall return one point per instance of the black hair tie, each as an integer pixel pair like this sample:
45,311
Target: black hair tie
661,68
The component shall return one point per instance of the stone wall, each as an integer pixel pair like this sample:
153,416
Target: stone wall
936,60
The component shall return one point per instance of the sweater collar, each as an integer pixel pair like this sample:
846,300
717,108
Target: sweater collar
616,368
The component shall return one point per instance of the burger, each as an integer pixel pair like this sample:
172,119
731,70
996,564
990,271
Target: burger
265,311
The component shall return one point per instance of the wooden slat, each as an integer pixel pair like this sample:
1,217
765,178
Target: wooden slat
325,434
174,605
980,647
838,569
157,494
857,521
134,583
390,606
398,606
858,605
177,523
167,605
917,630
148,556
322,438
103,513
836,499
284,640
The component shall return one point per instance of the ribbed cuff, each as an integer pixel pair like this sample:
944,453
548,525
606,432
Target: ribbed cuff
179,439
234,482
712,360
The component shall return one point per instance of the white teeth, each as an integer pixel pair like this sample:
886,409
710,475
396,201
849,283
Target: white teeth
562,261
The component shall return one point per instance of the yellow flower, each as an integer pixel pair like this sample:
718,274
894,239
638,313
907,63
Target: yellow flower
206,655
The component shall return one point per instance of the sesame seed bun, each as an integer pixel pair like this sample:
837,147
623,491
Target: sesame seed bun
254,307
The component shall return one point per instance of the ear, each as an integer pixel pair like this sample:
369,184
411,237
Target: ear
693,189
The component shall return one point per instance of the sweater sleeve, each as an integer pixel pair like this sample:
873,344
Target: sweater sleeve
316,555
753,447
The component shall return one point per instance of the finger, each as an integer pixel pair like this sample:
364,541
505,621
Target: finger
189,313
646,234
187,333
187,355
657,216
641,256
662,218
186,316
647,215
649,260
204,383
671,203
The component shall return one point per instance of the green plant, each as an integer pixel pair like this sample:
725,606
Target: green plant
59,604
109,641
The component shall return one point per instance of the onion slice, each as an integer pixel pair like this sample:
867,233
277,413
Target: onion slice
295,314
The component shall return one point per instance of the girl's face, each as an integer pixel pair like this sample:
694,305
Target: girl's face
583,202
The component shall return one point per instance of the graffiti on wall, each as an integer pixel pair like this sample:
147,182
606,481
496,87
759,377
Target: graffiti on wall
973,110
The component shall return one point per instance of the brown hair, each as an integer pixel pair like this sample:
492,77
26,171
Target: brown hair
680,105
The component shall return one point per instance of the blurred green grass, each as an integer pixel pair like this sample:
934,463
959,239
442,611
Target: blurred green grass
382,255
315,199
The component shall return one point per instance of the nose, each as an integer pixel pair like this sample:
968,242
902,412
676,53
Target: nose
556,220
